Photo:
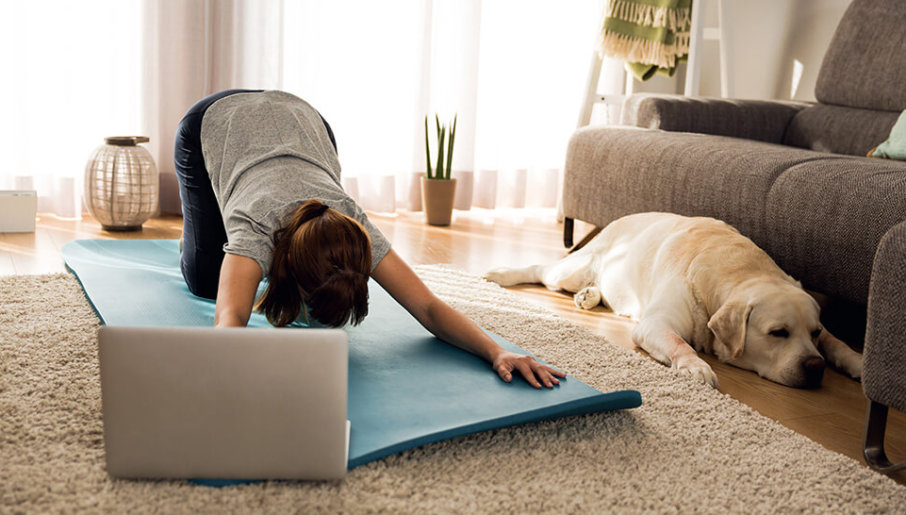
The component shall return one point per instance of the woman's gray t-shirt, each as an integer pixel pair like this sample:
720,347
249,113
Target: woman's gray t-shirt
267,153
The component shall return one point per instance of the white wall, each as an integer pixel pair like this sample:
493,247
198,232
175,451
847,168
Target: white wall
812,25
767,40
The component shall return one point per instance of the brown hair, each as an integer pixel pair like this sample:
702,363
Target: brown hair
322,259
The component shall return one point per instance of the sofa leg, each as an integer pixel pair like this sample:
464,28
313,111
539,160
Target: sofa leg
567,232
873,443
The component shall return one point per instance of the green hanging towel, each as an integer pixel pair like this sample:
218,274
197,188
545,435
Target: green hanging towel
652,36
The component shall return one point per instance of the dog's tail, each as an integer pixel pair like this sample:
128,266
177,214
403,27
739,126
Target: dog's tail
587,238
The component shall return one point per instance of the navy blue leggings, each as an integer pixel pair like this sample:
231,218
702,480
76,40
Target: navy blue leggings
202,224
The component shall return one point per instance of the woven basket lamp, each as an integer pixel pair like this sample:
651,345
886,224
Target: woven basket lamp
121,184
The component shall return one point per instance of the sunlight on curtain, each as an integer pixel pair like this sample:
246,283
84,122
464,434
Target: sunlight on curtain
513,70
192,48
71,77
360,64
532,73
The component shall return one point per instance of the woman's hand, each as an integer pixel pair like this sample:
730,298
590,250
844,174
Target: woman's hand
453,327
533,372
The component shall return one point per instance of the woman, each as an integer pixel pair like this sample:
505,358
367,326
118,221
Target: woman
261,195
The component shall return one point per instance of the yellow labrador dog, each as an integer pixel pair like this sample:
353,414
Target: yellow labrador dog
697,284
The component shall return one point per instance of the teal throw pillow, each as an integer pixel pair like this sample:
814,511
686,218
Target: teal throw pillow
895,146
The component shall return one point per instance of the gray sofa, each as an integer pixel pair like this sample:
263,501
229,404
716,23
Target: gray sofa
791,176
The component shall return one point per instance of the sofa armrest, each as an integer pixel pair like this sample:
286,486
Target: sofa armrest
760,120
884,365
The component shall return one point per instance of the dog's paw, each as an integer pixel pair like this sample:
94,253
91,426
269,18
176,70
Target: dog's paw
502,276
840,355
852,366
587,297
692,365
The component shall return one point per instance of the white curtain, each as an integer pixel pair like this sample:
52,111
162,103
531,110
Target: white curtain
71,74
513,71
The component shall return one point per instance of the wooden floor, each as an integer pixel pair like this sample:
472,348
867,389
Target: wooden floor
480,239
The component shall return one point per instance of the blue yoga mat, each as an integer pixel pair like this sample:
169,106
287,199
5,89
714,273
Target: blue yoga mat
406,387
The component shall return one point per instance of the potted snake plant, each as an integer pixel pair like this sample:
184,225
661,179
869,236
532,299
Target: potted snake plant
438,187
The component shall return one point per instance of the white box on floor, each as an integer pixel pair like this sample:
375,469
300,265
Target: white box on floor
17,210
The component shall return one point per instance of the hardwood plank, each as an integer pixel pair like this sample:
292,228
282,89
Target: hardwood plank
841,431
39,252
6,263
62,231
32,252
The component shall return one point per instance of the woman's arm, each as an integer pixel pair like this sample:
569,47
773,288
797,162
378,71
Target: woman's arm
451,326
239,278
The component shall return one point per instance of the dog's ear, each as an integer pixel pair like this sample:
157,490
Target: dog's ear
729,327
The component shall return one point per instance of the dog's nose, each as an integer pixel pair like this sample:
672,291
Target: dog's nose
813,370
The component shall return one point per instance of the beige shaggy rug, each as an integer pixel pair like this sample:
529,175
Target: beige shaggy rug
687,449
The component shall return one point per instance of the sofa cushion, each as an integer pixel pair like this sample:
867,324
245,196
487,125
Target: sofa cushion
839,130
762,120
865,65
615,171
825,218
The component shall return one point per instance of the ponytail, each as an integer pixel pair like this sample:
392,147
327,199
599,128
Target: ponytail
342,288
322,258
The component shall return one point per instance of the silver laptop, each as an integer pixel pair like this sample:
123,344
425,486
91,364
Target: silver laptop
224,403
